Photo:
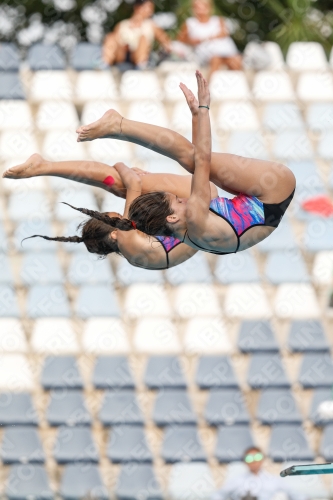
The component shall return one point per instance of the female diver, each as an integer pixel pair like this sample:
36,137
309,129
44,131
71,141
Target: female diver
139,249
264,189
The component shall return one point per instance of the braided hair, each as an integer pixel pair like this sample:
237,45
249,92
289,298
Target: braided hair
147,213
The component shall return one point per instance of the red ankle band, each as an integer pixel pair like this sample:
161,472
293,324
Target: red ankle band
108,181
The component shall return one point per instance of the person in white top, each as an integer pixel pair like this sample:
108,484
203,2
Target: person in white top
209,37
256,484
132,39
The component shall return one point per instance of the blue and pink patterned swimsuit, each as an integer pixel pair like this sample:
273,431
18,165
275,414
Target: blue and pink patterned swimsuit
243,212
168,243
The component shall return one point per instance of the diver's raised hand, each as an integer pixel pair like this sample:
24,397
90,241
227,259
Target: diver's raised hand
191,100
203,90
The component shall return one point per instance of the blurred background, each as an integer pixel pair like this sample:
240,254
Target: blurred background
117,382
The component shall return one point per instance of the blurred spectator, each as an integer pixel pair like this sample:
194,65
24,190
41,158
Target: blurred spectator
209,37
255,484
132,39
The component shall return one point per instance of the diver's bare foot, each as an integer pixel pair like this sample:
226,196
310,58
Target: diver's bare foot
30,168
107,126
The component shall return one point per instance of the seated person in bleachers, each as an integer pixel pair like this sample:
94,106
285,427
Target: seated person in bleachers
209,37
132,39
255,483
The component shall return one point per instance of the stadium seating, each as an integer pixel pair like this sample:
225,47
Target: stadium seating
119,382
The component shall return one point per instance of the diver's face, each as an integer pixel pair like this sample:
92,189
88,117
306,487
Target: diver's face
178,206
146,10
201,8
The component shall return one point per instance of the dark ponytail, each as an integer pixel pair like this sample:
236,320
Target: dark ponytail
115,222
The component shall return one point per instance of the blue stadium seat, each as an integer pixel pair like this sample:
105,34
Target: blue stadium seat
87,269
307,175
280,116
11,86
8,302
232,440
326,444
6,275
281,239
173,407
29,228
31,481
17,409
257,336
128,444
194,270
128,275
307,336
34,204
278,406
67,408
286,267
237,268
96,300
266,370
3,239
75,444
41,269
316,371
319,116
87,56
293,145
47,301
9,57
164,371
248,144
215,371
318,235
46,57
112,372
182,444
82,482
325,147
226,407
289,442
61,372
133,480
21,444
320,395
120,407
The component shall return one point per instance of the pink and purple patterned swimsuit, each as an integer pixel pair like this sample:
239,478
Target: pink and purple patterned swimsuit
168,243
243,212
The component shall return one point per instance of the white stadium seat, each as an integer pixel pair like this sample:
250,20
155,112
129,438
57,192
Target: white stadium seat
31,205
148,111
192,299
156,336
105,336
17,144
15,373
246,301
171,84
296,301
272,86
191,481
54,115
112,203
306,56
207,336
146,300
12,337
322,268
276,57
54,336
229,85
15,114
61,146
181,120
95,85
93,110
51,85
315,86
77,198
137,85
110,151
237,116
